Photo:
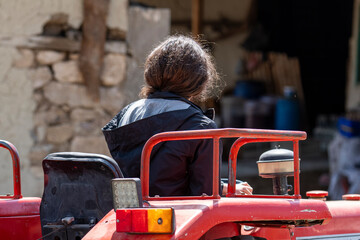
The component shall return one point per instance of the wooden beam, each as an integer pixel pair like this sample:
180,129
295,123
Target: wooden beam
197,7
218,22
57,44
93,44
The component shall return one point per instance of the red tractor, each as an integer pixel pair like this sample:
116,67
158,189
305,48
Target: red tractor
86,197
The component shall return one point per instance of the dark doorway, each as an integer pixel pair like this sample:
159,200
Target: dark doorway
317,32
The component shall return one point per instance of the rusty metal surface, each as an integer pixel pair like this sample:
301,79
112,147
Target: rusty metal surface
344,224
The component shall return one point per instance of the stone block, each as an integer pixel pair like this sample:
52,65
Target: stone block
68,72
48,57
43,105
40,118
56,115
24,59
114,69
59,134
147,27
52,116
118,15
89,122
26,18
93,144
88,128
74,56
38,97
40,76
116,47
71,94
66,108
81,115
111,99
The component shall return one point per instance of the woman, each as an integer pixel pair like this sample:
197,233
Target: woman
178,72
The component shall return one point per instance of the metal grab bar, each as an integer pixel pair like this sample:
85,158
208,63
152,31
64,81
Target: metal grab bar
16,169
244,135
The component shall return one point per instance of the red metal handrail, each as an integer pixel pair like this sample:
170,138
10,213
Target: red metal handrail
244,135
16,169
233,163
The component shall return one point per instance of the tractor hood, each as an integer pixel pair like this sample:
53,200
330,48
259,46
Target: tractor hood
196,217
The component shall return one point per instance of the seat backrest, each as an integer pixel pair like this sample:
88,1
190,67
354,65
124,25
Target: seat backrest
77,193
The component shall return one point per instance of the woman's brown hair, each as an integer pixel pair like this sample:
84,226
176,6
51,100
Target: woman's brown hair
182,66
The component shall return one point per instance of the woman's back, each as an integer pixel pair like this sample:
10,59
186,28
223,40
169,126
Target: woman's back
172,163
178,72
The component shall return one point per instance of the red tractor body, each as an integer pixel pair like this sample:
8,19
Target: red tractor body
202,217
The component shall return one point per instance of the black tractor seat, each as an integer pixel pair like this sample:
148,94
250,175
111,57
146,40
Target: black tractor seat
77,193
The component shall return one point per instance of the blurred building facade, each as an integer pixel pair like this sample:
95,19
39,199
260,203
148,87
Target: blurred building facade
45,106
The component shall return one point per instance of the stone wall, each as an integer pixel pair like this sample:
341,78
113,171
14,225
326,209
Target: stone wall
44,104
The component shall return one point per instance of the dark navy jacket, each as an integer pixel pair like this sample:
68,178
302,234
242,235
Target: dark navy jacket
177,168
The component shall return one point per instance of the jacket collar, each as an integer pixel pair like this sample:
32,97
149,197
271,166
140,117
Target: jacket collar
210,113
172,96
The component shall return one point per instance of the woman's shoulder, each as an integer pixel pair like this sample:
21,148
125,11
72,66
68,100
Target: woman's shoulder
199,120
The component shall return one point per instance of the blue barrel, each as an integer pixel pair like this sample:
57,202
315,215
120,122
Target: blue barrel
287,115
